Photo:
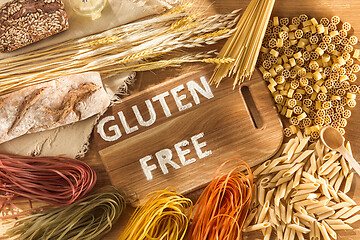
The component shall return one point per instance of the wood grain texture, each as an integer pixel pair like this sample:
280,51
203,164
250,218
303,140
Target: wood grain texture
225,120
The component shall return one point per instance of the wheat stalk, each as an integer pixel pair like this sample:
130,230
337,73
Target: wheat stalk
172,63
102,52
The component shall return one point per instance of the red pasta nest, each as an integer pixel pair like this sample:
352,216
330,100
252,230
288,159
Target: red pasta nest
56,181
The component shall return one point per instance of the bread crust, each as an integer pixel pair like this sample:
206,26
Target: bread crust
51,104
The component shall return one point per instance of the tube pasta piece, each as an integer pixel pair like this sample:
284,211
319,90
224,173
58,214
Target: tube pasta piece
305,203
339,213
296,220
346,198
261,195
319,150
317,232
274,163
333,193
261,168
269,195
313,166
324,187
279,233
278,176
321,203
305,217
309,176
297,177
341,205
320,210
339,182
292,170
330,168
325,215
289,213
323,231
300,198
277,211
263,212
329,161
331,222
299,228
303,143
314,195
341,227
312,231
282,191
289,188
257,227
267,233
250,217
333,180
282,209
351,212
287,233
308,186
281,168
348,182
288,146
273,216
353,219
303,156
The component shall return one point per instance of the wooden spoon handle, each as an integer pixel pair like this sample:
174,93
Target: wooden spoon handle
350,159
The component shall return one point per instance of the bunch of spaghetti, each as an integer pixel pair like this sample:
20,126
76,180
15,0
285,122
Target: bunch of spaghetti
244,46
223,206
165,215
90,218
54,180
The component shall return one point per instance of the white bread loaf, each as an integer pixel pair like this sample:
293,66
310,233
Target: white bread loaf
52,104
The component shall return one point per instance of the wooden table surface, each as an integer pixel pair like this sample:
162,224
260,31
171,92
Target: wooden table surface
347,10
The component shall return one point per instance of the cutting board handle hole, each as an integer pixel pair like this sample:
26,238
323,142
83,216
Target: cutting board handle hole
251,107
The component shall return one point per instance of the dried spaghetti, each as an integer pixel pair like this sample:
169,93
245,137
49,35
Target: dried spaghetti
222,208
89,218
244,46
53,180
165,216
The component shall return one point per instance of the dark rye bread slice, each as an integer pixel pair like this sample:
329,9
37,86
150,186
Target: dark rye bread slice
23,22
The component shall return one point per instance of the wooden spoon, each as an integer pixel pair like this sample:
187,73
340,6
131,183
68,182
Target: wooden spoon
333,140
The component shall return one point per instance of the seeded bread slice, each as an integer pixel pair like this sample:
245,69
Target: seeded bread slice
52,104
23,22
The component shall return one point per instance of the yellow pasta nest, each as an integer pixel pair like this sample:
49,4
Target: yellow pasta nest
311,71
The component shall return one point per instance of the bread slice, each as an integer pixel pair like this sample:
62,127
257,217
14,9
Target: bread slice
23,22
52,104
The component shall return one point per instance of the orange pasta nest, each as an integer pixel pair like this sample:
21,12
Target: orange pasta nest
223,206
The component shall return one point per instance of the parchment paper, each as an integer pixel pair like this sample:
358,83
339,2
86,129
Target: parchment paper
72,140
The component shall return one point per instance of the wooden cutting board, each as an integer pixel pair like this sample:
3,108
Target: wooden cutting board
179,132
